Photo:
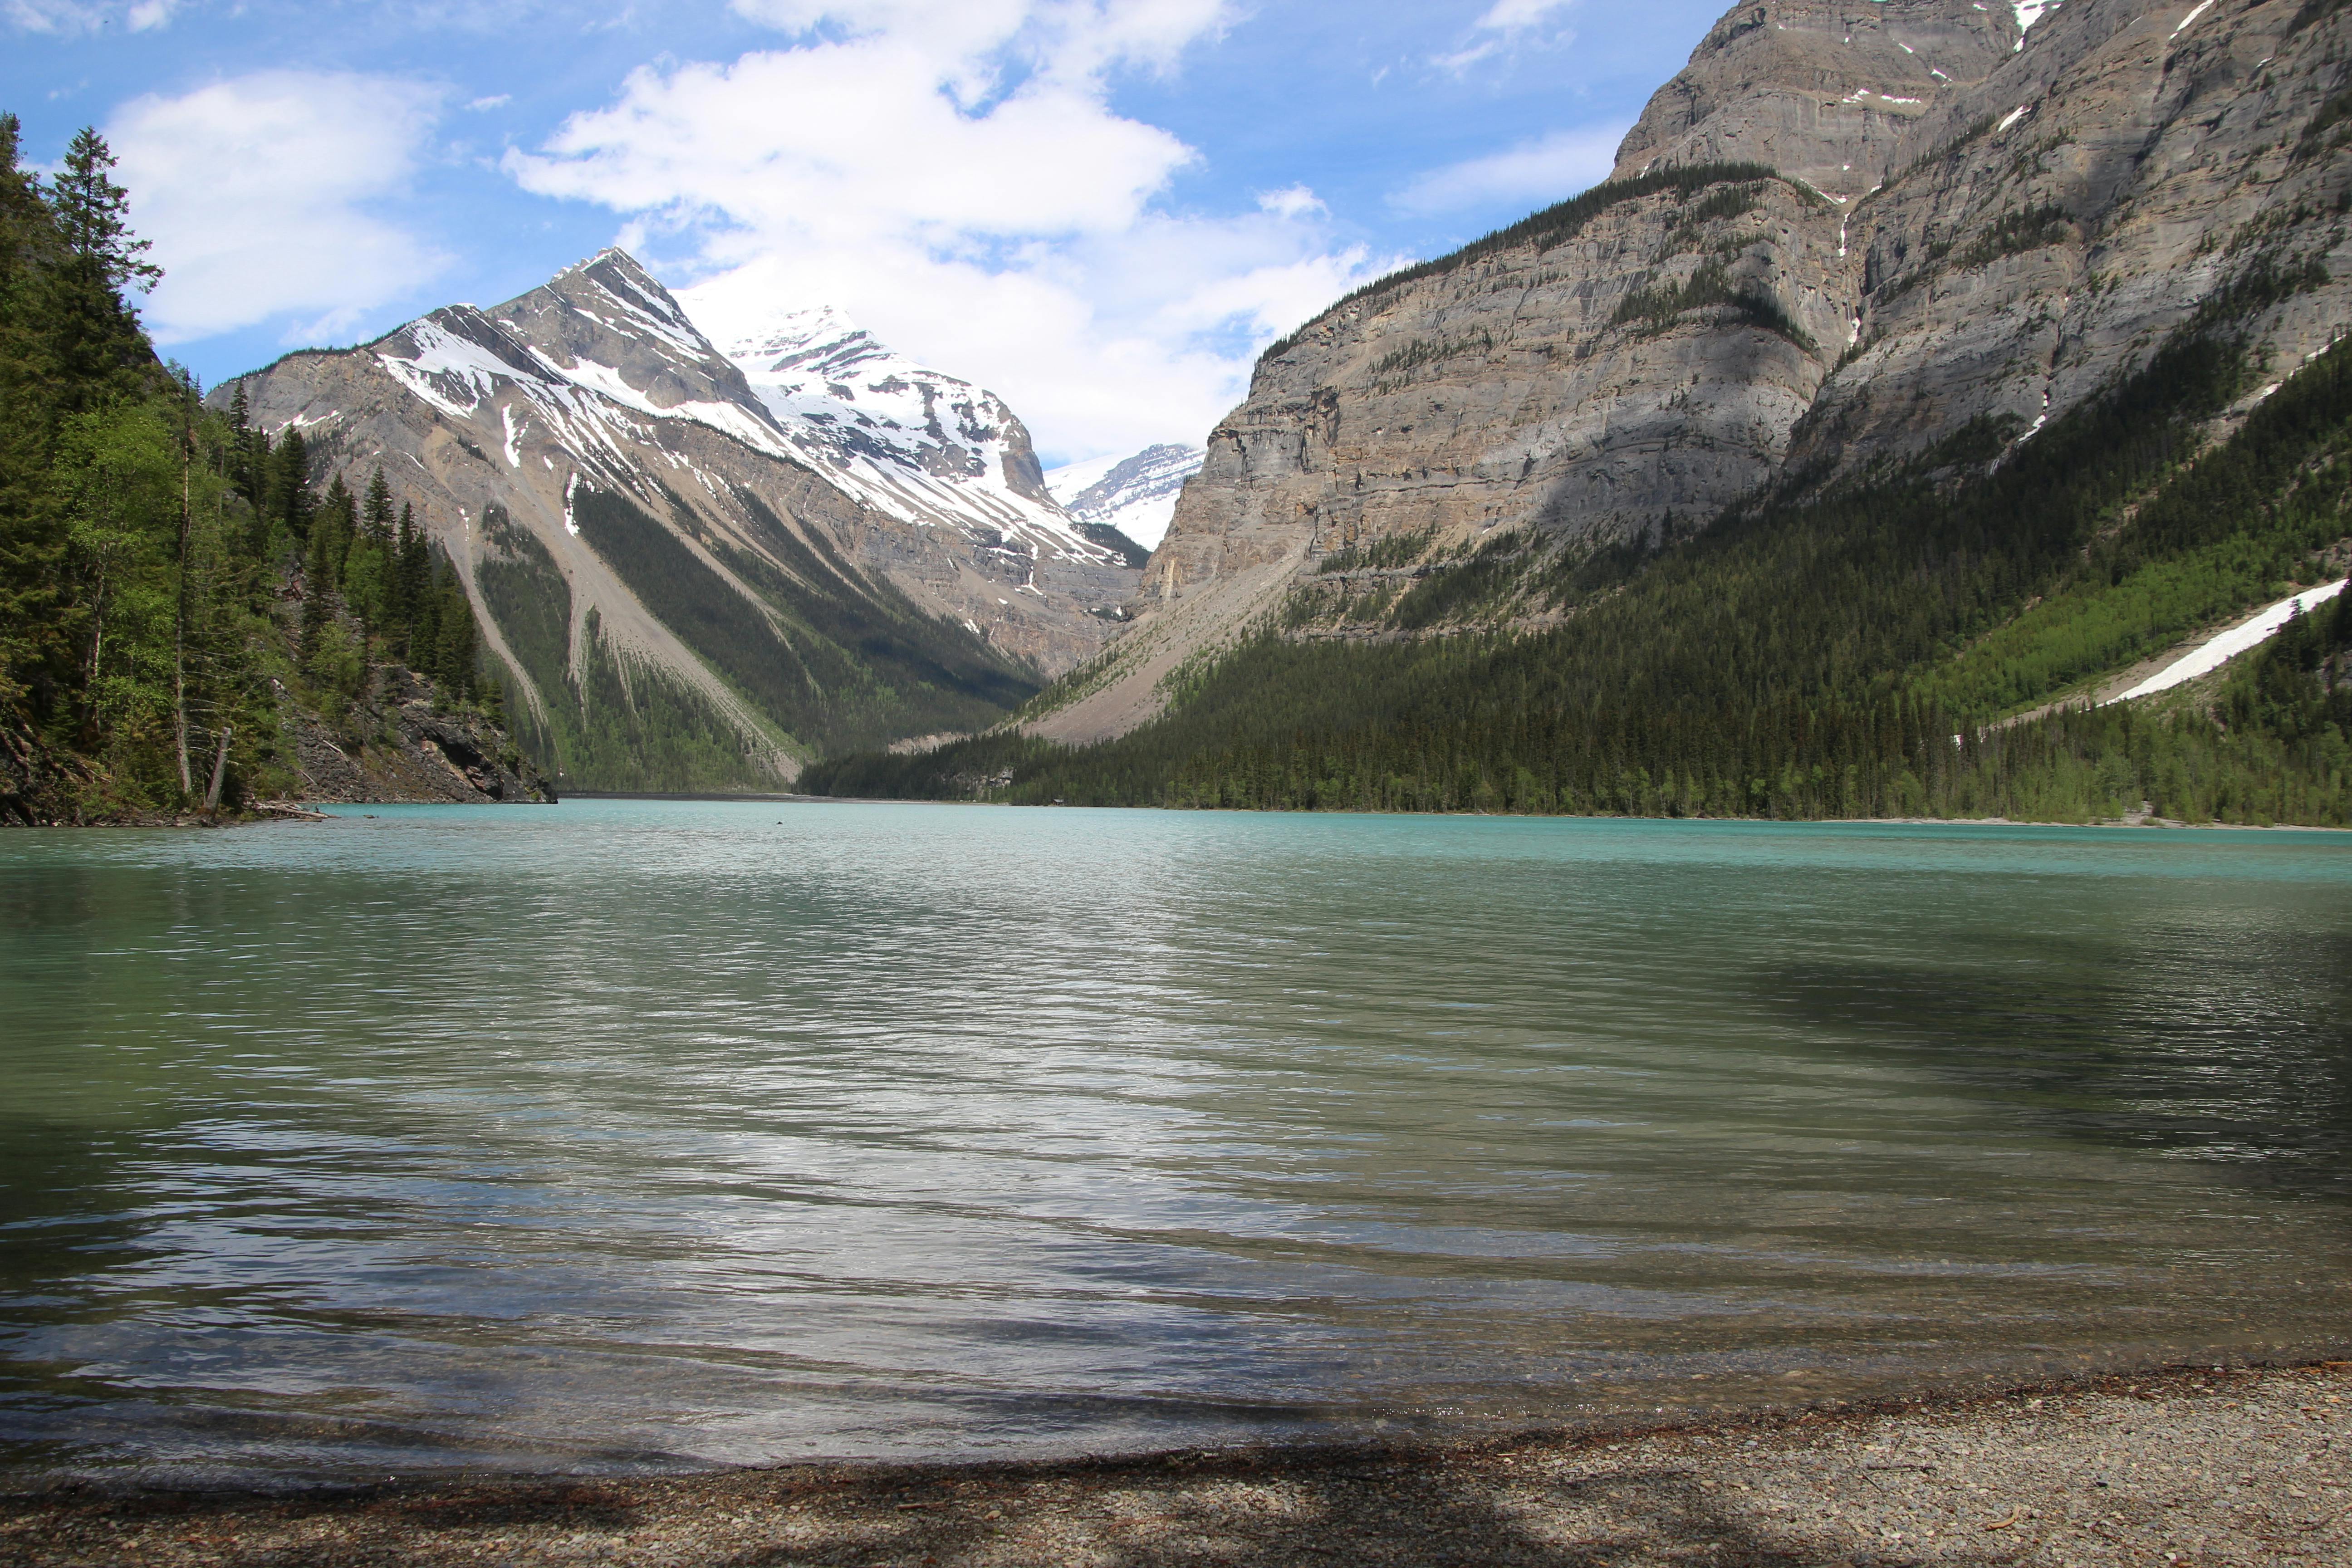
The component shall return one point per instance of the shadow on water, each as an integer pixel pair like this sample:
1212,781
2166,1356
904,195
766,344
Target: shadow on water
2234,1049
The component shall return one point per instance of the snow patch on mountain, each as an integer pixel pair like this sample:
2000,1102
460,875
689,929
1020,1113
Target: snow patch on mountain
452,372
1136,494
2217,651
921,446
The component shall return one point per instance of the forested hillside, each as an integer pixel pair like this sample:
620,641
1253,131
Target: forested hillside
1849,651
186,621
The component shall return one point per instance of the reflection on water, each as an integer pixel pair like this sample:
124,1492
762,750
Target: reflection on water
630,1133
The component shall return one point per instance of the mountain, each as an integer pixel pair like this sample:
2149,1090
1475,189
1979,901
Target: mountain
1130,497
1921,369
914,445
1841,235
699,568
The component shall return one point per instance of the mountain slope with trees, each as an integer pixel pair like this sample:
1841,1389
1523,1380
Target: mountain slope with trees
1841,236
706,568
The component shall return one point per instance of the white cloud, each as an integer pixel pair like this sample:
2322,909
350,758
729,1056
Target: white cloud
1291,201
1534,174
1504,23
254,191
950,172
1518,15
495,101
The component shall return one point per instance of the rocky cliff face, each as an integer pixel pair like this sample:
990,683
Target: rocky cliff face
1826,94
747,559
2134,165
1845,231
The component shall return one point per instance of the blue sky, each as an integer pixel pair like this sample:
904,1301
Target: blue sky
1099,209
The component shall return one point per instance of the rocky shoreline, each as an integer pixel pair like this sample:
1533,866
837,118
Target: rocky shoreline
398,746
2202,1466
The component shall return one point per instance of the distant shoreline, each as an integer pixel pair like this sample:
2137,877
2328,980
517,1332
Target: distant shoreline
277,811
2182,1464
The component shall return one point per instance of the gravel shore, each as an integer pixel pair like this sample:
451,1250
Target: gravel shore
2198,1466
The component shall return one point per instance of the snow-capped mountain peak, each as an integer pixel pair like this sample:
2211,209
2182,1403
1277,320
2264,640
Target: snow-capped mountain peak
625,482
1136,495
818,342
915,443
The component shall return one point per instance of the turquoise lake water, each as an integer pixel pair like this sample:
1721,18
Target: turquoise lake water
621,1134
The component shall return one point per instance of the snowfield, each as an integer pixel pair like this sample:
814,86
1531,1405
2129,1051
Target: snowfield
2213,655
1136,495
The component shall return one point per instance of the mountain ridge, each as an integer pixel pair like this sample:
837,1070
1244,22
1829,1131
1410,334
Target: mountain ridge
1132,496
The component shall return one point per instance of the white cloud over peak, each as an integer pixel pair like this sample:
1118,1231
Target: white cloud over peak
1534,174
953,174
254,191
1072,39
1291,201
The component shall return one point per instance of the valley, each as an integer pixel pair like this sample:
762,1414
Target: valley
1921,370
1678,991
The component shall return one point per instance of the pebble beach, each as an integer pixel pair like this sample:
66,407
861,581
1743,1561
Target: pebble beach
2202,1466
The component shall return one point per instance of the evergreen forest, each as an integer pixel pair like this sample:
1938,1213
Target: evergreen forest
175,586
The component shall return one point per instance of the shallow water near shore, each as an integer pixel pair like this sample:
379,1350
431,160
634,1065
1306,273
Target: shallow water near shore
629,1134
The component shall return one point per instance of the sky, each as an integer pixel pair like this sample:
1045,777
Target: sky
1099,209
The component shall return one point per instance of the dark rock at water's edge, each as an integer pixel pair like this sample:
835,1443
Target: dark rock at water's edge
396,746
39,785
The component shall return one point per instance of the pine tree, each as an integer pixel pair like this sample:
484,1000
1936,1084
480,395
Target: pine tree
456,644
247,453
375,514
93,215
336,522
31,531
412,577
318,584
289,501
102,353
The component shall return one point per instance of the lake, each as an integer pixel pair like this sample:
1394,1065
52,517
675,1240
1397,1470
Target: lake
623,1134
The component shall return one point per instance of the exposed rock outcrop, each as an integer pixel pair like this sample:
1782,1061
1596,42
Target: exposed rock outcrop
395,745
